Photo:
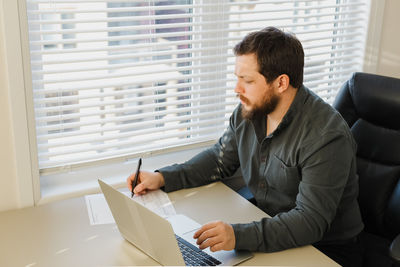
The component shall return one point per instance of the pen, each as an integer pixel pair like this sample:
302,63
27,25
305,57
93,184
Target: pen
134,183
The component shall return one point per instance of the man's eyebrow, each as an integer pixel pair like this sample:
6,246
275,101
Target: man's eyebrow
242,76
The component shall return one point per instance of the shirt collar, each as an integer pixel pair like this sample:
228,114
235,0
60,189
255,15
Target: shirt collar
260,122
294,109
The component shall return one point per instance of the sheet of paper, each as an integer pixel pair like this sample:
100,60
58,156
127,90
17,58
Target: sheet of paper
157,201
99,212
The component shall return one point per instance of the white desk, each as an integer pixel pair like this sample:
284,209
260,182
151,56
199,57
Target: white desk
60,234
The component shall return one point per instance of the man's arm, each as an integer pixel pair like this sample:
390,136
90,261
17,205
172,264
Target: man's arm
218,162
215,163
325,168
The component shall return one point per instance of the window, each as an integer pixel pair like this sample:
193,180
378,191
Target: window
119,78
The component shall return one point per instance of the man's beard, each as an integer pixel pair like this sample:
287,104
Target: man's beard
269,105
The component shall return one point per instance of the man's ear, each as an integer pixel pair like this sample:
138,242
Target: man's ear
282,83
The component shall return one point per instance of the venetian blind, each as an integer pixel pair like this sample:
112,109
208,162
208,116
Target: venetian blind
115,78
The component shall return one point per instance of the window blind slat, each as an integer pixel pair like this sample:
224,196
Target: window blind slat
312,84
140,149
178,60
115,126
182,34
310,63
132,82
183,25
327,68
185,16
169,132
133,47
125,101
69,116
130,73
56,93
51,9
148,93
107,138
319,76
156,46
105,141
238,3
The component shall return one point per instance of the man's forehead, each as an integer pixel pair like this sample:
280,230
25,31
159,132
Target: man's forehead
247,58
246,65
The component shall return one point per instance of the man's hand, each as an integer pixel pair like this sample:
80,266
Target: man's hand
216,235
146,181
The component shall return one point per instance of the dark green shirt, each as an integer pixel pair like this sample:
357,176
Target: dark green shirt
303,175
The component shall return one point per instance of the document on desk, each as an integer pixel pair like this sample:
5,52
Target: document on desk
99,212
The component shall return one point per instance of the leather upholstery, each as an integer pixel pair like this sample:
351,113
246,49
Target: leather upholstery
371,106
372,97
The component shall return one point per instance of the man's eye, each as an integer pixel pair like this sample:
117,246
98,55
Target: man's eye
248,81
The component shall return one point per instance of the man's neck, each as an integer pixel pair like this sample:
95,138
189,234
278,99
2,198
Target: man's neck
276,116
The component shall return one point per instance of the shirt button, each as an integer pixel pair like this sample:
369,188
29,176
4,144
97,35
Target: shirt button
262,185
262,159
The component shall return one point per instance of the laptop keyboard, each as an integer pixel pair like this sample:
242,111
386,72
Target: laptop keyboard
193,256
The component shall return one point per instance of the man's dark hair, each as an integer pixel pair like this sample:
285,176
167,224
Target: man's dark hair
277,53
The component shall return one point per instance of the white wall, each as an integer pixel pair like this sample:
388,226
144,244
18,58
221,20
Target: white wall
389,53
15,164
8,179
15,179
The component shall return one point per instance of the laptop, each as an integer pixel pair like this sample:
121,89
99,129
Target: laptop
154,235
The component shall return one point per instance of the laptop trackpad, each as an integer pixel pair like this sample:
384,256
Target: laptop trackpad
232,257
183,224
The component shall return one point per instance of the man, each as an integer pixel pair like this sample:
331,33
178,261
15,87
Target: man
295,152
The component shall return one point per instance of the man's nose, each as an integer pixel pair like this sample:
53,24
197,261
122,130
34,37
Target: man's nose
238,88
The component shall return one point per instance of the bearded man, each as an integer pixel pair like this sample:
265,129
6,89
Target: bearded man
295,152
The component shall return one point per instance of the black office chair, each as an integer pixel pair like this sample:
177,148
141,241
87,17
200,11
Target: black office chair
371,106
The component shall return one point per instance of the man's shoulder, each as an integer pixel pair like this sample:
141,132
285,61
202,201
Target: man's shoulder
323,119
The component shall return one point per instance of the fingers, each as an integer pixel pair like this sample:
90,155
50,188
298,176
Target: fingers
141,188
205,227
146,181
213,243
129,181
218,247
215,235
208,238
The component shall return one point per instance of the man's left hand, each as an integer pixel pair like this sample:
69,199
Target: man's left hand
215,235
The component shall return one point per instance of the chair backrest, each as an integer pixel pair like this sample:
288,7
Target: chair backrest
371,106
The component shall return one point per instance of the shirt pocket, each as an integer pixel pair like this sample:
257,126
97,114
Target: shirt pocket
281,177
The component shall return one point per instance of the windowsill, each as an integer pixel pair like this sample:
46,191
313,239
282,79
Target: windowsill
84,181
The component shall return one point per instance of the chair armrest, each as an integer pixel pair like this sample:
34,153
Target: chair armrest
395,249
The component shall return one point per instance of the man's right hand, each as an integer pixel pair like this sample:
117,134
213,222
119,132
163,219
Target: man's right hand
146,181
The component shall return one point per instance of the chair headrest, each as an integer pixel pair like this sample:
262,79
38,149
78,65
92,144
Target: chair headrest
371,97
